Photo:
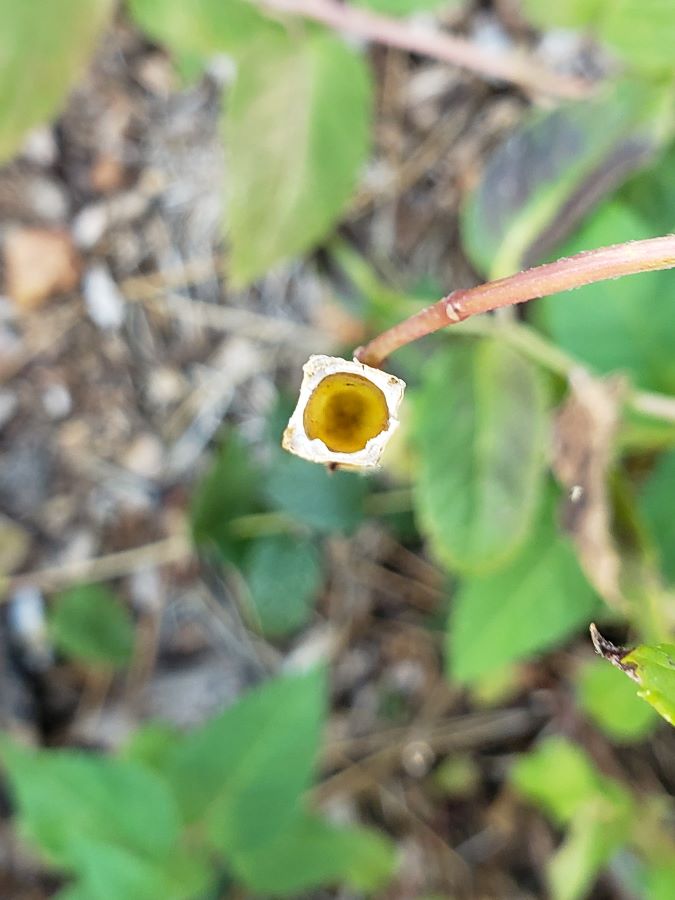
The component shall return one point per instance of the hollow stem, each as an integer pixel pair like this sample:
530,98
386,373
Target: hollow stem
551,278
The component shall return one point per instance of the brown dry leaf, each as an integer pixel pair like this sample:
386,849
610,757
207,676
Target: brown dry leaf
39,263
583,442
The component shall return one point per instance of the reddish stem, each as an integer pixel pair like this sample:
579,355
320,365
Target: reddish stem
551,278
515,68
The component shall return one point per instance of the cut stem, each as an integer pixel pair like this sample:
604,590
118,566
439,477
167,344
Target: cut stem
552,278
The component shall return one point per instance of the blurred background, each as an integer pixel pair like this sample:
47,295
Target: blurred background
225,672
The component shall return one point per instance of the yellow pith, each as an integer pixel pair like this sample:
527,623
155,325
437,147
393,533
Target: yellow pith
345,411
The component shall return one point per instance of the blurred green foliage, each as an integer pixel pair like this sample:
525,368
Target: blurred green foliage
174,811
597,812
44,49
536,600
601,819
88,623
656,505
611,701
268,519
555,167
306,106
653,667
604,324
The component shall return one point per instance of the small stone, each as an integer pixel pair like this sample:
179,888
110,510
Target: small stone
89,225
47,199
39,263
319,644
165,387
28,627
57,401
490,35
81,545
417,758
145,456
146,590
39,147
222,69
156,74
104,301
109,728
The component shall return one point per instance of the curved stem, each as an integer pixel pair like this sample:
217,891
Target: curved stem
551,278
510,67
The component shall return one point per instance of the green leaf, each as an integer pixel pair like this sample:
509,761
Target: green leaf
563,13
611,701
654,669
479,426
596,833
656,506
405,7
245,771
458,776
560,779
326,501
152,745
230,489
642,32
297,133
90,624
107,872
310,852
283,575
540,183
626,324
537,600
201,28
63,795
44,48
651,194
661,882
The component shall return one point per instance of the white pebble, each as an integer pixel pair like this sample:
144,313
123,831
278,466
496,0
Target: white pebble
39,146
105,303
27,624
57,401
89,226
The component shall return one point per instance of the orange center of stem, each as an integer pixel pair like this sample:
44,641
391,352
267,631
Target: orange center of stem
345,411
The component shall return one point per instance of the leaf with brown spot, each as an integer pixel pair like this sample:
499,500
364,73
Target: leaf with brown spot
583,449
651,666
